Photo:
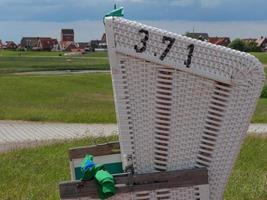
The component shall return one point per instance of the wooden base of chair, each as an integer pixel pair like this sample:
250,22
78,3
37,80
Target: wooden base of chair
142,182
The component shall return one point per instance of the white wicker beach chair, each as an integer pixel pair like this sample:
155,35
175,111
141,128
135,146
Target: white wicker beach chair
181,103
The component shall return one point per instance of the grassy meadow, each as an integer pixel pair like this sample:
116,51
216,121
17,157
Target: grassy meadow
25,61
260,114
80,98
262,56
248,180
85,98
34,174
76,98
16,61
7,53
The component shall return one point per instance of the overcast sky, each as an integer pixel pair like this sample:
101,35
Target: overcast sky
234,18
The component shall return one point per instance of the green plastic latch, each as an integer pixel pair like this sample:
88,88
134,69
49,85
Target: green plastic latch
117,12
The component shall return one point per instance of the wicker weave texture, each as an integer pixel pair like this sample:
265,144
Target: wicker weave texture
176,117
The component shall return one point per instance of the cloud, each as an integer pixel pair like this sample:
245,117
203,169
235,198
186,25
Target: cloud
77,10
87,30
84,30
182,2
211,3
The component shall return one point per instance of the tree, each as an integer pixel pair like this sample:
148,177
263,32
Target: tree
252,47
238,45
249,46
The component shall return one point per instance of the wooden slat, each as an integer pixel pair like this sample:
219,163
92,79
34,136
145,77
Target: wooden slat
144,182
97,150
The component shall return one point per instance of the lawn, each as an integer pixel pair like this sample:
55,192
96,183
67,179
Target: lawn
16,61
35,173
23,61
262,56
74,98
7,53
249,177
86,98
260,115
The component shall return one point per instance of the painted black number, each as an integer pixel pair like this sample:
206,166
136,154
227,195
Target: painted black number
143,41
191,48
171,42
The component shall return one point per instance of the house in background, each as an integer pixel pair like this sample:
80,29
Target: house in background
67,42
198,36
68,45
48,44
95,44
99,45
223,41
1,44
11,45
29,42
103,42
104,38
262,43
67,35
84,45
249,40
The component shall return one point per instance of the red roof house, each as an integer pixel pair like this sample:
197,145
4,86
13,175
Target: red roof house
262,43
11,45
68,45
67,35
223,41
104,38
47,44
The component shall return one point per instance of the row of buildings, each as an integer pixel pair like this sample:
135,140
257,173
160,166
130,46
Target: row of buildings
8,45
67,43
261,42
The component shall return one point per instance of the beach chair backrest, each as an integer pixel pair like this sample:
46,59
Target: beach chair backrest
181,103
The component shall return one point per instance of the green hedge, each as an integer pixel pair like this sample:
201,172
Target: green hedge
264,92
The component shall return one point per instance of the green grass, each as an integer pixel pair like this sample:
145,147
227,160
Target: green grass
260,115
8,53
24,64
16,61
74,98
86,98
262,56
34,174
249,177
97,54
